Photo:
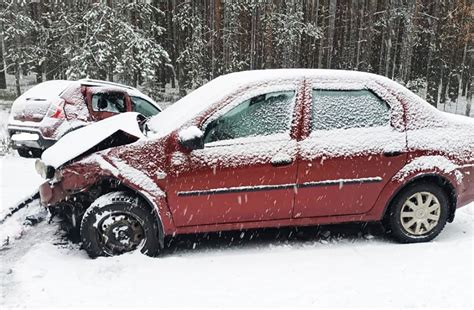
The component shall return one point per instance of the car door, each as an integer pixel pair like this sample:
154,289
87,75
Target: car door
355,143
247,168
103,102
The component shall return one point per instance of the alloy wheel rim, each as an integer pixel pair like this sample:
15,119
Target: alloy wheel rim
420,213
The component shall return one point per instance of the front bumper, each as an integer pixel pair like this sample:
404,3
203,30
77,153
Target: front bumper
36,140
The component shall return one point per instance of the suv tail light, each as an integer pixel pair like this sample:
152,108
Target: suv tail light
56,110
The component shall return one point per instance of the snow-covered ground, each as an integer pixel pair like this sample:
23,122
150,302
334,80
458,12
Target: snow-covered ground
342,266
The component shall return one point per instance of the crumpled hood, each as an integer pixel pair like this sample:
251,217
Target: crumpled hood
84,139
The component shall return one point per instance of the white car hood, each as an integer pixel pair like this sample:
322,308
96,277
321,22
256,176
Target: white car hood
81,140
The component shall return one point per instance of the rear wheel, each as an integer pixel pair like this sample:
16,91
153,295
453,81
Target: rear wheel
418,214
27,152
118,223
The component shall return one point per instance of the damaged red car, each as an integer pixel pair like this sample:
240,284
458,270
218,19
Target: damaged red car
267,148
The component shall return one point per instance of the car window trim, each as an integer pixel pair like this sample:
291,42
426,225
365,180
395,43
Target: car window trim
276,137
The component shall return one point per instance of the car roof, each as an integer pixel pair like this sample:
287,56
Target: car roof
255,76
131,91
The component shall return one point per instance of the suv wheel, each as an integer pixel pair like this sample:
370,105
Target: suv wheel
418,214
118,223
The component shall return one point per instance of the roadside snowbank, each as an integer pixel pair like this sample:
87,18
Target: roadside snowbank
18,180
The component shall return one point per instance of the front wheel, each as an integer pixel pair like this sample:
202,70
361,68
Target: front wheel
118,223
418,214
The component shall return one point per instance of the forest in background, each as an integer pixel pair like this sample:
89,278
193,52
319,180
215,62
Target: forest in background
426,45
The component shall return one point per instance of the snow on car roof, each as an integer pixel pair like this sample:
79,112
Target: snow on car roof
46,90
205,96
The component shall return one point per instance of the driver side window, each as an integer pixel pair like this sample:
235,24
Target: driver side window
108,102
261,115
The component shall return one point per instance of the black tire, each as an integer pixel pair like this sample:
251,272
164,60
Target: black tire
118,212
27,152
393,222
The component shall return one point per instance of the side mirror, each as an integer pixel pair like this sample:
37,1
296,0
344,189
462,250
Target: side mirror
191,138
102,103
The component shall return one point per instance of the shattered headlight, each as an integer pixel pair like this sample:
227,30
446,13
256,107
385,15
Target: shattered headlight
46,172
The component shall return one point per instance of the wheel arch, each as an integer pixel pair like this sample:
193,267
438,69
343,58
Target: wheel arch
154,209
112,184
443,182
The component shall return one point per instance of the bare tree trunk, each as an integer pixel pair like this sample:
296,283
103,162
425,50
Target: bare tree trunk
332,22
388,39
466,72
3,67
408,40
253,34
470,86
367,52
17,79
360,35
433,73
321,48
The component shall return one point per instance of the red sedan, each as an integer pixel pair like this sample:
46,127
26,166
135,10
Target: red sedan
265,148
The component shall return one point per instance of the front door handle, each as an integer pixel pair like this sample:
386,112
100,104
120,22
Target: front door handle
392,154
281,160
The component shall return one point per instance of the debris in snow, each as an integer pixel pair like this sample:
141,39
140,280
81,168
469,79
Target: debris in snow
326,234
368,237
13,227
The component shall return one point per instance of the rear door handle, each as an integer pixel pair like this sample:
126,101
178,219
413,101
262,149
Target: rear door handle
392,154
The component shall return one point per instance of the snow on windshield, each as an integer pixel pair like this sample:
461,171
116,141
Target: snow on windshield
205,96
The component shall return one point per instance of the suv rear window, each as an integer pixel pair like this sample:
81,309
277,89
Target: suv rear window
108,102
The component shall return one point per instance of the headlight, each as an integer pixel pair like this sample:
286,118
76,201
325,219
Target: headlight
46,172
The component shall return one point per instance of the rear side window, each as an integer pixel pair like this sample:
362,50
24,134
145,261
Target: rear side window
143,107
262,115
342,109
108,102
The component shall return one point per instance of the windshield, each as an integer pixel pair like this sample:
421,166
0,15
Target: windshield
192,105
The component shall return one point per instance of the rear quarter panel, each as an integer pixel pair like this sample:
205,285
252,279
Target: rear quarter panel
466,192
412,172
